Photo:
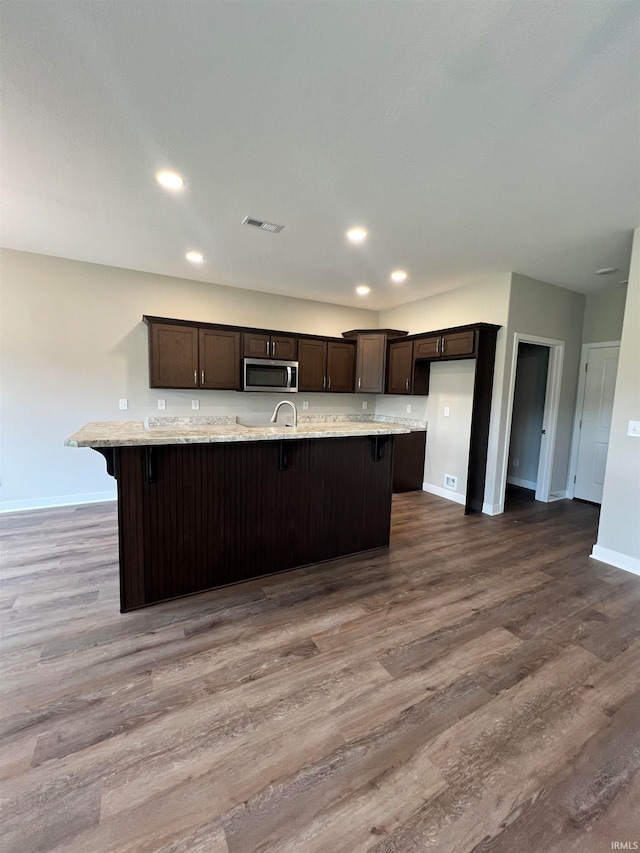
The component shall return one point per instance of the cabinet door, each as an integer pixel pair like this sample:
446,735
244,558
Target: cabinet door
458,344
256,345
311,370
400,368
427,347
219,359
173,356
408,461
285,348
371,364
341,359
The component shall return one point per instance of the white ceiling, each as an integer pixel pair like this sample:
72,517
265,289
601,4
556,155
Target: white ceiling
468,137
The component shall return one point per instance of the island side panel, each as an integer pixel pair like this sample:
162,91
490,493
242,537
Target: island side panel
219,513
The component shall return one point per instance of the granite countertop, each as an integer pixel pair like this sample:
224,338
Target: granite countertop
206,430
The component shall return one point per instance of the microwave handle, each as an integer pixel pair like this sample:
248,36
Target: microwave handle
289,377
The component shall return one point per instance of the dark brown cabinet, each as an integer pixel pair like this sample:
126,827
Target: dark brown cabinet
408,461
259,345
450,345
400,376
219,359
186,356
372,352
173,356
325,365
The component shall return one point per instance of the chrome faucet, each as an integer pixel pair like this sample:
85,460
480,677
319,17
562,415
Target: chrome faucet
274,416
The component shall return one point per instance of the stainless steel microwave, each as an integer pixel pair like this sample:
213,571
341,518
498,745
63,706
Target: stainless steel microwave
263,374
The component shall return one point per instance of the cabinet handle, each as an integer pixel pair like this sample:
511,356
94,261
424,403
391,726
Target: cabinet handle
438,346
267,347
329,384
359,382
202,377
195,377
444,345
273,348
406,385
324,382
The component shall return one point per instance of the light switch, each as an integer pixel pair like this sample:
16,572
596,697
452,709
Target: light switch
162,404
195,404
634,428
124,404
446,411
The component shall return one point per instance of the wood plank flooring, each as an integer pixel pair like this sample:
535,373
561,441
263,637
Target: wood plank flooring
474,688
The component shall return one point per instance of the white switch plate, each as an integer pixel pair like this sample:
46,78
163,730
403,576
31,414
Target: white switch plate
305,404
124,404
195,404
162,404
364,404
634,428
408,408
446,411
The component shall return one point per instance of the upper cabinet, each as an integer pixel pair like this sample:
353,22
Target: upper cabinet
260,345
183,355
371,358
325,365
173,356
450,344
400,377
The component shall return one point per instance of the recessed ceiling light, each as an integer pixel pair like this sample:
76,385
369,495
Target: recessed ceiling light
362,290
398,276
170,180
195,257
606,270
357,235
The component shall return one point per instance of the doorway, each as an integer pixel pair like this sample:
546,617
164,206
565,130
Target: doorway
528,416
532,417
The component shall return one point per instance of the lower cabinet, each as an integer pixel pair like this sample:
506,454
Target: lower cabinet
408,461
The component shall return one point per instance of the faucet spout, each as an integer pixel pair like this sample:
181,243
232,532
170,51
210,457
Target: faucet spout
274,416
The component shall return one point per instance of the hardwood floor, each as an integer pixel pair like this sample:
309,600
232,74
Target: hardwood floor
474,688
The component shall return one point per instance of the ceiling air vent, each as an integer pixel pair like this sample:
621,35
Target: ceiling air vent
265,226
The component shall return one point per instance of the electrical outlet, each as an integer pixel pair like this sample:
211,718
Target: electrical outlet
195,404
305,404
365,405
124,404
162,404
446,411
408,408
450,482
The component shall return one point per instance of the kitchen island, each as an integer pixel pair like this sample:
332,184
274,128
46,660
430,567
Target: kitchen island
214,502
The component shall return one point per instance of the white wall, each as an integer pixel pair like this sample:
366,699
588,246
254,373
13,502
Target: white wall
72,343
604,315
619,531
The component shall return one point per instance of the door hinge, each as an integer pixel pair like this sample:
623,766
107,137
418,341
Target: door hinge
574,479
580,427
586,367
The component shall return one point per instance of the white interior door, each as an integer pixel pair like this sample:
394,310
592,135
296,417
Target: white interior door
600,384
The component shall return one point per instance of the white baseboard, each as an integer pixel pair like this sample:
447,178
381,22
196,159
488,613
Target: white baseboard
58,500
558,496
615,558
524,484
444,493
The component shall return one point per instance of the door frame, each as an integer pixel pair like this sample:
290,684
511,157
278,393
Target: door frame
577,417
549,418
